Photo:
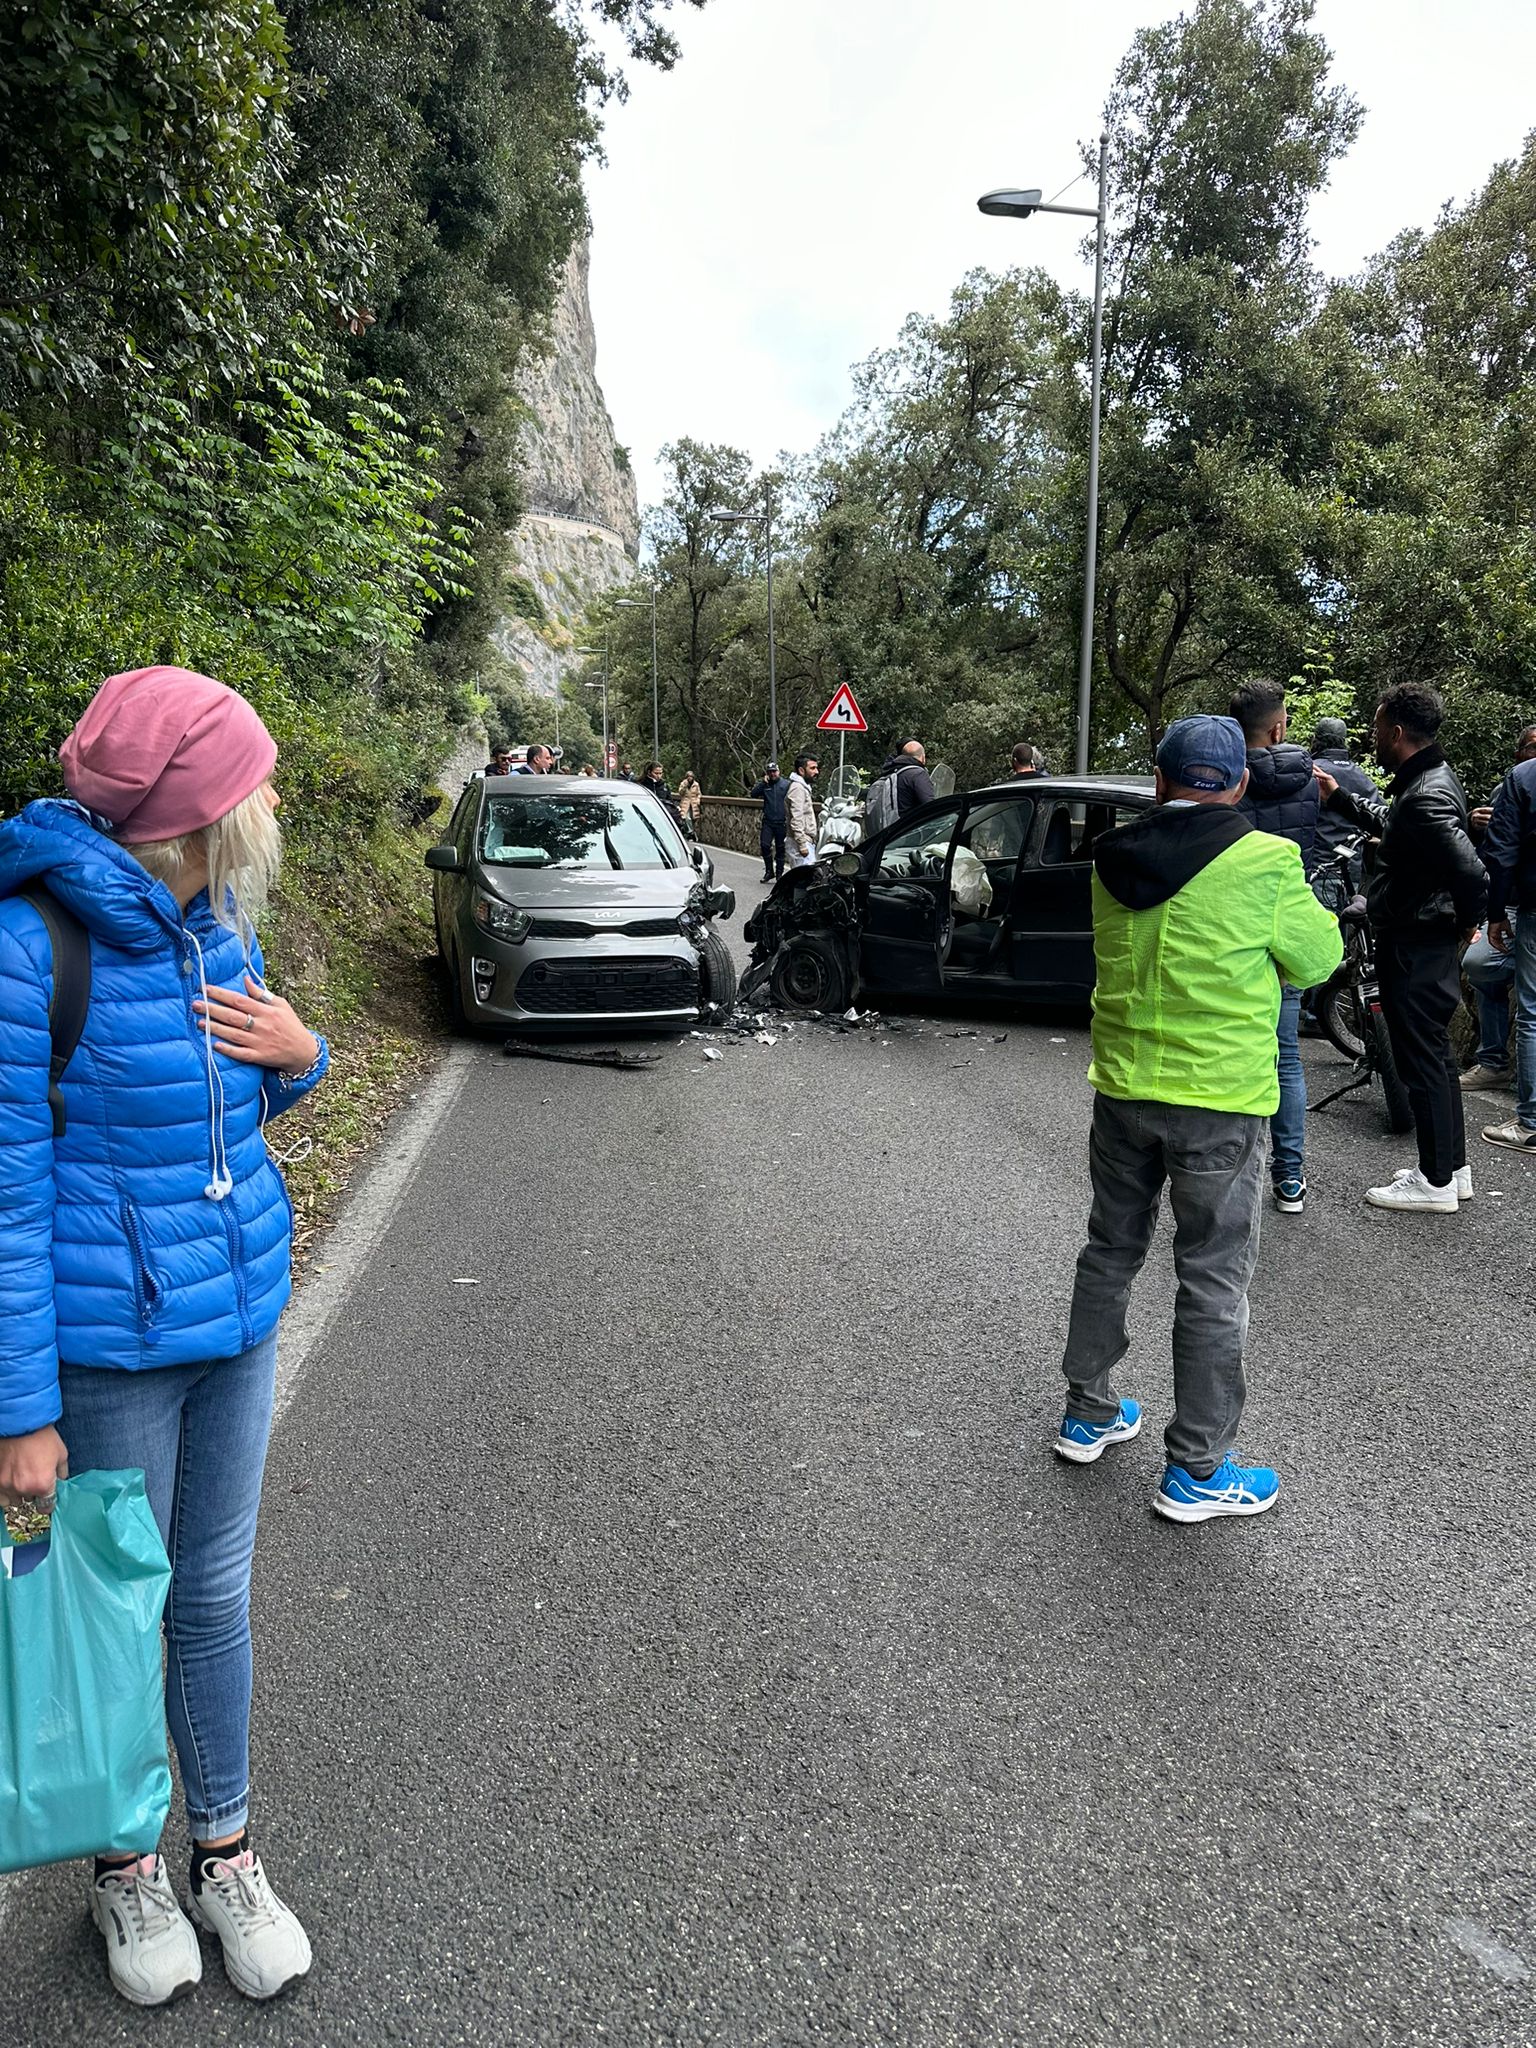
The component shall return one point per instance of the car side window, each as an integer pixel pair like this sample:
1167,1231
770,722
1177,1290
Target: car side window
1069,830
461,827
997,831
918,850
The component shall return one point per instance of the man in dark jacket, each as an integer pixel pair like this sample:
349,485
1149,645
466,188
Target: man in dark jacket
1426,888
1330,745
1509,854
773,793
1281,798
914,786
1490,970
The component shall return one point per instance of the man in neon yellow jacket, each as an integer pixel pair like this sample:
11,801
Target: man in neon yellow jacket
1197,921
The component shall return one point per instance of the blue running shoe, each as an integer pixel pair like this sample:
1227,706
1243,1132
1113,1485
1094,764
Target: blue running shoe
1291,1196
1082,1442
1232,1489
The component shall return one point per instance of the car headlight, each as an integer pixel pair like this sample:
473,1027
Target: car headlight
501,920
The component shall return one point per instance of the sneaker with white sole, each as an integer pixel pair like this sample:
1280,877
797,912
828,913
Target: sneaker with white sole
265,1948
1232,1489
1464,1187
1487,1080
1082,1442
1408,1189
152,1951
1517,1136
1290,1196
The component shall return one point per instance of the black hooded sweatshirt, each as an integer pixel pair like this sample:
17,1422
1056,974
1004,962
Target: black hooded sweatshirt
1144,863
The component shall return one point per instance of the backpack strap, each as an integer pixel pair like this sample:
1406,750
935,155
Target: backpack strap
71,996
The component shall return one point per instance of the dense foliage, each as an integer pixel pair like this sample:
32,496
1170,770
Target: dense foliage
268,270
1334,483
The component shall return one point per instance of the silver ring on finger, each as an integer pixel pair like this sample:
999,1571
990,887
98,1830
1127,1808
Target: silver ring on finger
250,1020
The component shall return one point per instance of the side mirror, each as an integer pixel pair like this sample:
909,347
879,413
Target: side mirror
698,856
445,859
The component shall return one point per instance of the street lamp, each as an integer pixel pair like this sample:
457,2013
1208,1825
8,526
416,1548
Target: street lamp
763,519
1019,205
636,604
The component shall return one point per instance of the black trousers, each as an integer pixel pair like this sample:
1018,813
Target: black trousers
1420,987
771,839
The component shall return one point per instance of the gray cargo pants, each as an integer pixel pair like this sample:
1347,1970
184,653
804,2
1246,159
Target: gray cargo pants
1213,1162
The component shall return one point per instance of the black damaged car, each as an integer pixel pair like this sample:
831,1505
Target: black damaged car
986,894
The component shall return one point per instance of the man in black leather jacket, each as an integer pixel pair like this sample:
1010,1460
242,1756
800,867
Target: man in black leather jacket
1426,889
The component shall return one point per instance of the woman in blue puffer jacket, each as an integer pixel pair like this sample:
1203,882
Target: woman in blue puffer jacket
144,1252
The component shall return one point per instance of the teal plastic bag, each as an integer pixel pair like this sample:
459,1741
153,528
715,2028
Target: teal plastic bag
83,1765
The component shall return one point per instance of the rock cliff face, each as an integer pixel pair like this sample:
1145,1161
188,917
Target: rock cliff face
581,531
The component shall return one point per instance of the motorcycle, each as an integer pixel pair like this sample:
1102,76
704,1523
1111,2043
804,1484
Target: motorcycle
1349,1005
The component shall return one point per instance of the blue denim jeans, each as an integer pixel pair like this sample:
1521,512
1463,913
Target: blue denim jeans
1525,1019
1492,975
1288,1125
199,1435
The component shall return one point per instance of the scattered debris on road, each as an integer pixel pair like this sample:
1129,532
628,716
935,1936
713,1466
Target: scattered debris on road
584,1056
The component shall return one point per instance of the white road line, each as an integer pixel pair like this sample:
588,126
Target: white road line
362,1224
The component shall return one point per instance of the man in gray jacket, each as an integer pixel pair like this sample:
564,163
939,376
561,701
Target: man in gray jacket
800,812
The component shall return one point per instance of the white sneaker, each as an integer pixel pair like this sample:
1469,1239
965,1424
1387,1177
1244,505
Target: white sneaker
265,1948
1408,1189
1464,1187
152,1951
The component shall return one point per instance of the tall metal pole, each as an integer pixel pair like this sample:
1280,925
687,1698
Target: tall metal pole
655,686
773,683
607,668
1091,539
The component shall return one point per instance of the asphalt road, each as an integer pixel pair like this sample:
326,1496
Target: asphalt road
684,1634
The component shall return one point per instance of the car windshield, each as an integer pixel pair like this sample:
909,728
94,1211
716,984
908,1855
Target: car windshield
575,832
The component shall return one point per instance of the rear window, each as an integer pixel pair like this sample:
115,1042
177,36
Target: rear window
575,832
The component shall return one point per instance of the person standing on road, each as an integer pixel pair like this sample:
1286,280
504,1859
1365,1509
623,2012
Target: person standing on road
1197,920
1282,798
1509,854
1426,887
690,798
500,762
144,1251
1490,969
1330,745
800,812
773,793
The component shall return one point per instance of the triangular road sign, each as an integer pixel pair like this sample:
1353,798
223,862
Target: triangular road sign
842,714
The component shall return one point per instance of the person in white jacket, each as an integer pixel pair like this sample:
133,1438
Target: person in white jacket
800,812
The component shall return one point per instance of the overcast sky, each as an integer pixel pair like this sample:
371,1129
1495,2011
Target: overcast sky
772,209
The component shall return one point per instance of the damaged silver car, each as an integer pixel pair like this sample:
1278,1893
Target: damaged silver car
563,901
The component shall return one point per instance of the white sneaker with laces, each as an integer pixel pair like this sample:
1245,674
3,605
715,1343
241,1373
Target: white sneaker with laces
1408,1189
1464,1187
265,1948
152,1952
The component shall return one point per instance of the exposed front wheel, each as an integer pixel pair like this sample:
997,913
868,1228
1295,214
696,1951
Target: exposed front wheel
717,975
809,974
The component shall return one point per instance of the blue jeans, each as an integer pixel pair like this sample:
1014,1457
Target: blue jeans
1288,1125
199,1434
1492,975
1525,1019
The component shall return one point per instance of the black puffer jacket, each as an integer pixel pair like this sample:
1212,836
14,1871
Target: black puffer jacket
1427,881
1509,846
1333,828
1281,796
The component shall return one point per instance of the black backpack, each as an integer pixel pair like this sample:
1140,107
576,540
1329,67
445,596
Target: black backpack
71,987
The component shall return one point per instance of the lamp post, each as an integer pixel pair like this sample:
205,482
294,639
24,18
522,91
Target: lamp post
1019,205
763,519
636,604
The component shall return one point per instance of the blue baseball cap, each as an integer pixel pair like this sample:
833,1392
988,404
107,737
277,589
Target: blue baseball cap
1203,752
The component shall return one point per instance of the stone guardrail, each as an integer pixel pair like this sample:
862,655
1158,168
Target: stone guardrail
733,822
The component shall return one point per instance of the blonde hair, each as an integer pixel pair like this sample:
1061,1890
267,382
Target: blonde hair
242,850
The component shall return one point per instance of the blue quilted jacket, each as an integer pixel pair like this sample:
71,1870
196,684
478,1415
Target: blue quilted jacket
156,1230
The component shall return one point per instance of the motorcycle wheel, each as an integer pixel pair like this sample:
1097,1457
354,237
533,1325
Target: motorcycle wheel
717,976
1399,1110
808,974
1338,1012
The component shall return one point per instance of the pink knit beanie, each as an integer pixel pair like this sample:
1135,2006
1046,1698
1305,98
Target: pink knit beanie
163,751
